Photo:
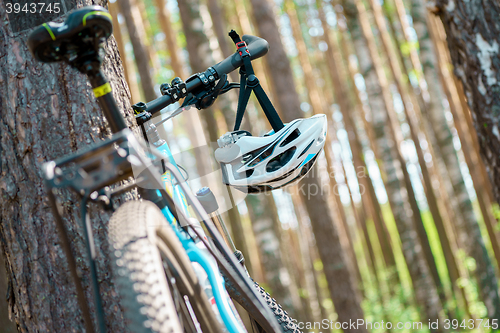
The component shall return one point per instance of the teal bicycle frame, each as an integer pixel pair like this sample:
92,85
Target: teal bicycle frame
195,253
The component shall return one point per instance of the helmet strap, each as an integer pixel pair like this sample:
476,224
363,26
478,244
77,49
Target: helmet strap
248,83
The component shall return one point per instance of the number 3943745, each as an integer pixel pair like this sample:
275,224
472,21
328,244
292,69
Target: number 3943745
34,7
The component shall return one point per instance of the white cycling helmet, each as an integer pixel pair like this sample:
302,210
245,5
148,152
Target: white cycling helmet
256,164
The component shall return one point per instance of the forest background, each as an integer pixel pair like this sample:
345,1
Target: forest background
399,220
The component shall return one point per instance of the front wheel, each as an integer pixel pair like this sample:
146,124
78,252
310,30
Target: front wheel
146,252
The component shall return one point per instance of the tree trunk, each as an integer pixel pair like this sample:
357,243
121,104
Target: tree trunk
473,43
411,110
460,200
191,120
46,112
140,51
339,278
401,197
7,325
319,106
267,229
476,67
441,206
200,58
367,190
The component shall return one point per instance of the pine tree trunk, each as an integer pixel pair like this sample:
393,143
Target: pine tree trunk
416,108
7,325
411,110
396,178
437,119
140,51
367,190
267,229
319,106
191,119
475,68
339,278
46,112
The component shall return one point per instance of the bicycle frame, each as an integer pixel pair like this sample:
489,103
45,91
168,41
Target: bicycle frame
194,253
92,171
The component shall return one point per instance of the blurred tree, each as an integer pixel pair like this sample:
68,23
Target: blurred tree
141,53
267,229
48,111
430,109
411,111
127,68
367,190
200,58
340,282
262,209
192,122
319,106
401,197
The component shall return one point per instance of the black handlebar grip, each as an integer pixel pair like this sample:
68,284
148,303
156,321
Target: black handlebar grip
158,104
257,47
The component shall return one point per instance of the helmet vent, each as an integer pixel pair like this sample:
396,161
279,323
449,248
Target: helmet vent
244,174
307,166
304,151
292,136
279,161
262,156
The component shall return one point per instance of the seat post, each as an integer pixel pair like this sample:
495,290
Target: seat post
102,91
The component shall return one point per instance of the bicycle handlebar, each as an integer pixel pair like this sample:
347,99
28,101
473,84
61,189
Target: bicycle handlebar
257,47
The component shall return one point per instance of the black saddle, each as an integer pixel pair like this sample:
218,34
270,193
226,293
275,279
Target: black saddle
84,31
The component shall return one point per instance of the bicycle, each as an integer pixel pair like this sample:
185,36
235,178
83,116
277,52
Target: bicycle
154,241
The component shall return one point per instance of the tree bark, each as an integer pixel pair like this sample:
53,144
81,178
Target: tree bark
48,111
473,42
7,325
339,278
473,39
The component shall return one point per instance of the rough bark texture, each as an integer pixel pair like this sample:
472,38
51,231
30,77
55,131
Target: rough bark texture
395,176
7,325
46,112
473,35
340,281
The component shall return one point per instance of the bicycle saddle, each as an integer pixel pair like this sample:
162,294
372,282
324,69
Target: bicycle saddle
83,30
